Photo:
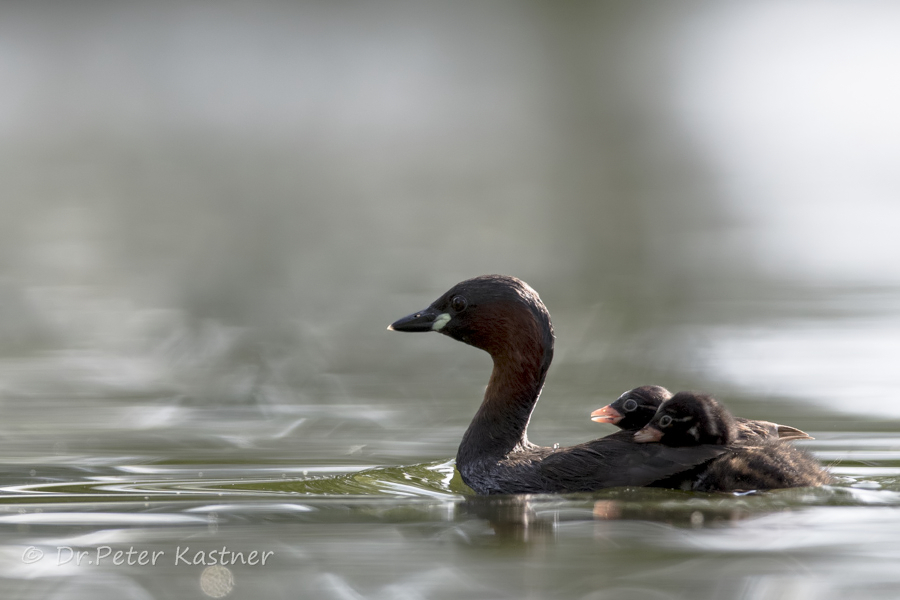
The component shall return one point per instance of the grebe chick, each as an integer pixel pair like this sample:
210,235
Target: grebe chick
634,409
690,419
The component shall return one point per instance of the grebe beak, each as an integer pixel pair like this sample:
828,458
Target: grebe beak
424,320
607,414
648,434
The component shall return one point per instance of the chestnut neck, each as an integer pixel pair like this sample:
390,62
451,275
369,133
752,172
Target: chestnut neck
521,358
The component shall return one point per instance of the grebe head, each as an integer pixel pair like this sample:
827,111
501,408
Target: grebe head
497,313
634,408
690,419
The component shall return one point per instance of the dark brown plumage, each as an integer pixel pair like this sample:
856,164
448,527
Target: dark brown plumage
505,317
771,465
690,419
634,409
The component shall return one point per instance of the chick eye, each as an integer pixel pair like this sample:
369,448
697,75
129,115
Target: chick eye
665,421
458,303
629,405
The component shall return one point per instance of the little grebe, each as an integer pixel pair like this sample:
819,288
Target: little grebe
690,419
505,317
634,409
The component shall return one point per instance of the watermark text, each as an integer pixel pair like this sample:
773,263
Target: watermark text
136,557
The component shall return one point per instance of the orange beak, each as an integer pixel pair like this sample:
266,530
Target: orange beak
648,434
606,415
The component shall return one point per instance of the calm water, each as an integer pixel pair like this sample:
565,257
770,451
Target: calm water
212,212
355,496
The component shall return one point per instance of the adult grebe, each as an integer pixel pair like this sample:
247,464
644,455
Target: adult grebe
505,317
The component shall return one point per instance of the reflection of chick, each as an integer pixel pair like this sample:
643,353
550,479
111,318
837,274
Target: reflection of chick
693,419
636,407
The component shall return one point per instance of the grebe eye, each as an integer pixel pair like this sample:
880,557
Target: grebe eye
629,405
665,421
458,303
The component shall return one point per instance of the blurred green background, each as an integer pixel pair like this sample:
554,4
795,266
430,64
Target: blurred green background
227,202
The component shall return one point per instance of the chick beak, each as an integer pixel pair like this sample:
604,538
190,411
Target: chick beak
648,434
607,414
